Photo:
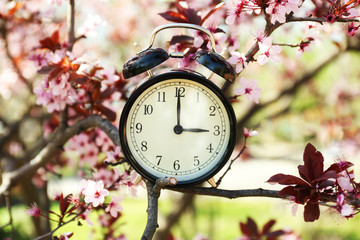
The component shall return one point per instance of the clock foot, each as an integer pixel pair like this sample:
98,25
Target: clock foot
211,181
138,180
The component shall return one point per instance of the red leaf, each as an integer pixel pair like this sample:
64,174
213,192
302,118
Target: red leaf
190,14
311,212
250,228
268,226
174,17
313,163
285,179
211,12
108,113
52,42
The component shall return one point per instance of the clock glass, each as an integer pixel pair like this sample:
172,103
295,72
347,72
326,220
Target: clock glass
180,125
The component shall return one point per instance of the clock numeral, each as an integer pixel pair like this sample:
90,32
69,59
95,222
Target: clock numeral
176,165
197,97
138,127
148,109
179,92
216,130
196,161
212,111
158,157
144,146
161,97
210,148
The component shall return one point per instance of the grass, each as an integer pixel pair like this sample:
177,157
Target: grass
213,217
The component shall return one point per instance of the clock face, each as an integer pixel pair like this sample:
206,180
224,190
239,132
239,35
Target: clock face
179,125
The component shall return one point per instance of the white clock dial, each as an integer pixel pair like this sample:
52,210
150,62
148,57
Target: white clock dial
178,128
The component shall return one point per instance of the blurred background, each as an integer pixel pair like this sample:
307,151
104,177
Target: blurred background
309,98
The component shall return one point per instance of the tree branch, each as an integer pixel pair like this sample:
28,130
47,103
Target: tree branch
215,192
153,193
49,151
289,91
319,20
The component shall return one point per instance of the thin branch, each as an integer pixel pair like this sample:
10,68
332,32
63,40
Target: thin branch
231,163
289,91
231,194
319,20
4,34
71,23
49,234
52,148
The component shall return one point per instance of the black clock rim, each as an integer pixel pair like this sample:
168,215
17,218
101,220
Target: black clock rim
192,77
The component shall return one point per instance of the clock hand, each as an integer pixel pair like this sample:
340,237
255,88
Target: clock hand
178,108
194,130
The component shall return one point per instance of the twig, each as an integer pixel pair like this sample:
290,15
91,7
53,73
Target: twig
231,163
49,234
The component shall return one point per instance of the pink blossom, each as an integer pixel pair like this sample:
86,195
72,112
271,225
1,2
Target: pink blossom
303,47
240,6
108,75
344,209
34,210
95,193
130,183
268,51
114,156
55,93
238,59
249,132
66,236
114,206
108,176
344,181
233,43
103,141
278,9
352,29
249,88
187,62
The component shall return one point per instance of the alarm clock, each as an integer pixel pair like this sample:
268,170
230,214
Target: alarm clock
179,123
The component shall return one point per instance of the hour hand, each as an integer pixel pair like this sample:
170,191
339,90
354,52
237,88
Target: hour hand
195,130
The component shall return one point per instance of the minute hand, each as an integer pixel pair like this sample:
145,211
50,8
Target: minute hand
195,130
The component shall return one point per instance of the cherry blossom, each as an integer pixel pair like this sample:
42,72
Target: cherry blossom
114,156
343,208
238,59
279,9
95,192
268,51
249,88
344,181
114,206
351,30
34,210
103,141
233,43
241,6
55,94
130,183
249,132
